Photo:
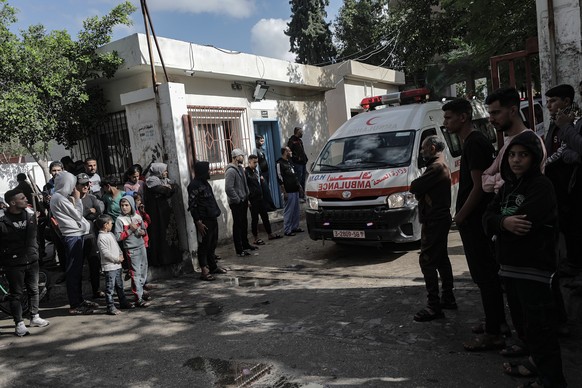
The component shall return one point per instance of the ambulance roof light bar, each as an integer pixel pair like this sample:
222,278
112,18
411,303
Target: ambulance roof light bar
406,97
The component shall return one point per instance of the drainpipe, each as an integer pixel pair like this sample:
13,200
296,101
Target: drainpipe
552,41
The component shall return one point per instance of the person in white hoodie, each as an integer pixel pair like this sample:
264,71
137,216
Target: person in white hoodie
67,208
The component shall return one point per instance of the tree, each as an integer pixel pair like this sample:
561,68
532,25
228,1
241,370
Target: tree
361,32
309,33
45,92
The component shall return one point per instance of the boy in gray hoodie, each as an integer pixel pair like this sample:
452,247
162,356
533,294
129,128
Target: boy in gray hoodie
130,228
67,208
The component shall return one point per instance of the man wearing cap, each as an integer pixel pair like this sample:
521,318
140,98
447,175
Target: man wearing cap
92,208
237,191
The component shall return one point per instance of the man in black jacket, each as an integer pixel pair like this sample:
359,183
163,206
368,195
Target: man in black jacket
298,156
19,258
257,201
290,188
205,211
433,192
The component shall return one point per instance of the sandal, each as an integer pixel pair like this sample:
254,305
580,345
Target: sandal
484,342
428,314
259,242
218,270
207,277
275,236
514,350
524,368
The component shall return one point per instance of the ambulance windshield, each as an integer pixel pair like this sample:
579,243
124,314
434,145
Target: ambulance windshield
370,151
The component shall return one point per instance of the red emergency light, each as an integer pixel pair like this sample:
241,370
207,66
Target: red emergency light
406,97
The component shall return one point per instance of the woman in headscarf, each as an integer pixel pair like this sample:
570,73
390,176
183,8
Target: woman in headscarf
163,237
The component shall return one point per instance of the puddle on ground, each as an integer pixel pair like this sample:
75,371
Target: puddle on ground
240,374
251,282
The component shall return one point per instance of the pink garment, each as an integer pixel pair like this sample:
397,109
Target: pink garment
137,187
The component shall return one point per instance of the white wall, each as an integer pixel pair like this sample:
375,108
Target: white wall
568,43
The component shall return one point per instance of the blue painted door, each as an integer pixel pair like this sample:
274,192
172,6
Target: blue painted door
270,131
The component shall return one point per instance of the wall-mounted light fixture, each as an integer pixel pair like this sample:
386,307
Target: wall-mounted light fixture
260,90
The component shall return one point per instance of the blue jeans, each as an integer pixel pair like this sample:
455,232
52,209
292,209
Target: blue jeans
18,278
138,264
300,173
114,282
74,259
291,213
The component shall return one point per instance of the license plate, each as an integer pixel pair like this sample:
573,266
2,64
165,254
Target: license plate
349,234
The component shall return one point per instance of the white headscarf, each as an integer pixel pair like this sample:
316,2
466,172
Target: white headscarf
154,176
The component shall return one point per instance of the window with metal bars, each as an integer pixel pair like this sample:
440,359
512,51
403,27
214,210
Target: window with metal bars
213,132
109,144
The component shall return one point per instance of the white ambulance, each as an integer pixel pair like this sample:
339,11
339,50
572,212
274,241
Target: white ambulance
358,187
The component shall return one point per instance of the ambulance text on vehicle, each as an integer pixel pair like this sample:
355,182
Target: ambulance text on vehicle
358,187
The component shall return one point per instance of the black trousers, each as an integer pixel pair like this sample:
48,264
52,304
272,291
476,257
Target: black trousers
240,226
534,303
259,208
207,244
91,254
434,261
484,271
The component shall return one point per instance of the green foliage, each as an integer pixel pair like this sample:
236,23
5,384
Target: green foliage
361,32
451,40
44,92
309,33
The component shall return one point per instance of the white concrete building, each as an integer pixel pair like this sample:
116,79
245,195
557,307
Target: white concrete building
209,106
560,42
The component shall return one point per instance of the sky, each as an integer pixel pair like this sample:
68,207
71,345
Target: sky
249,26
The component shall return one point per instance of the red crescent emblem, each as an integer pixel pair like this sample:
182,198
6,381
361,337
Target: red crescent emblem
369,122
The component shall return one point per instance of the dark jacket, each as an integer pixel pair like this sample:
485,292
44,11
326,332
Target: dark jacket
18,244
263,164
201,202
433,190
532,256
254,184
298,155
286,176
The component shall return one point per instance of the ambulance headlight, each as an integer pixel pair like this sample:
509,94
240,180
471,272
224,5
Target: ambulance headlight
312,203
398,200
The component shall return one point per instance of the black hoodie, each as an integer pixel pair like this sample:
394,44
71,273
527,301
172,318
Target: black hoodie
533,255
201,202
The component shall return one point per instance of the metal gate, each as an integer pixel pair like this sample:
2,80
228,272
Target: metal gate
110,145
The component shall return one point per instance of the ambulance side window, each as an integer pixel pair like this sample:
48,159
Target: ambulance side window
453,142
426,133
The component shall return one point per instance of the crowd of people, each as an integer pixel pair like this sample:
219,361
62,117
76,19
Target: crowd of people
510,211
511,208
88,219
246,188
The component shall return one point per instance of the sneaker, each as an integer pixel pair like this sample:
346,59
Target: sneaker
113,311
251,248
243,254
37,321
89,304
21,330
81,310
141,303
